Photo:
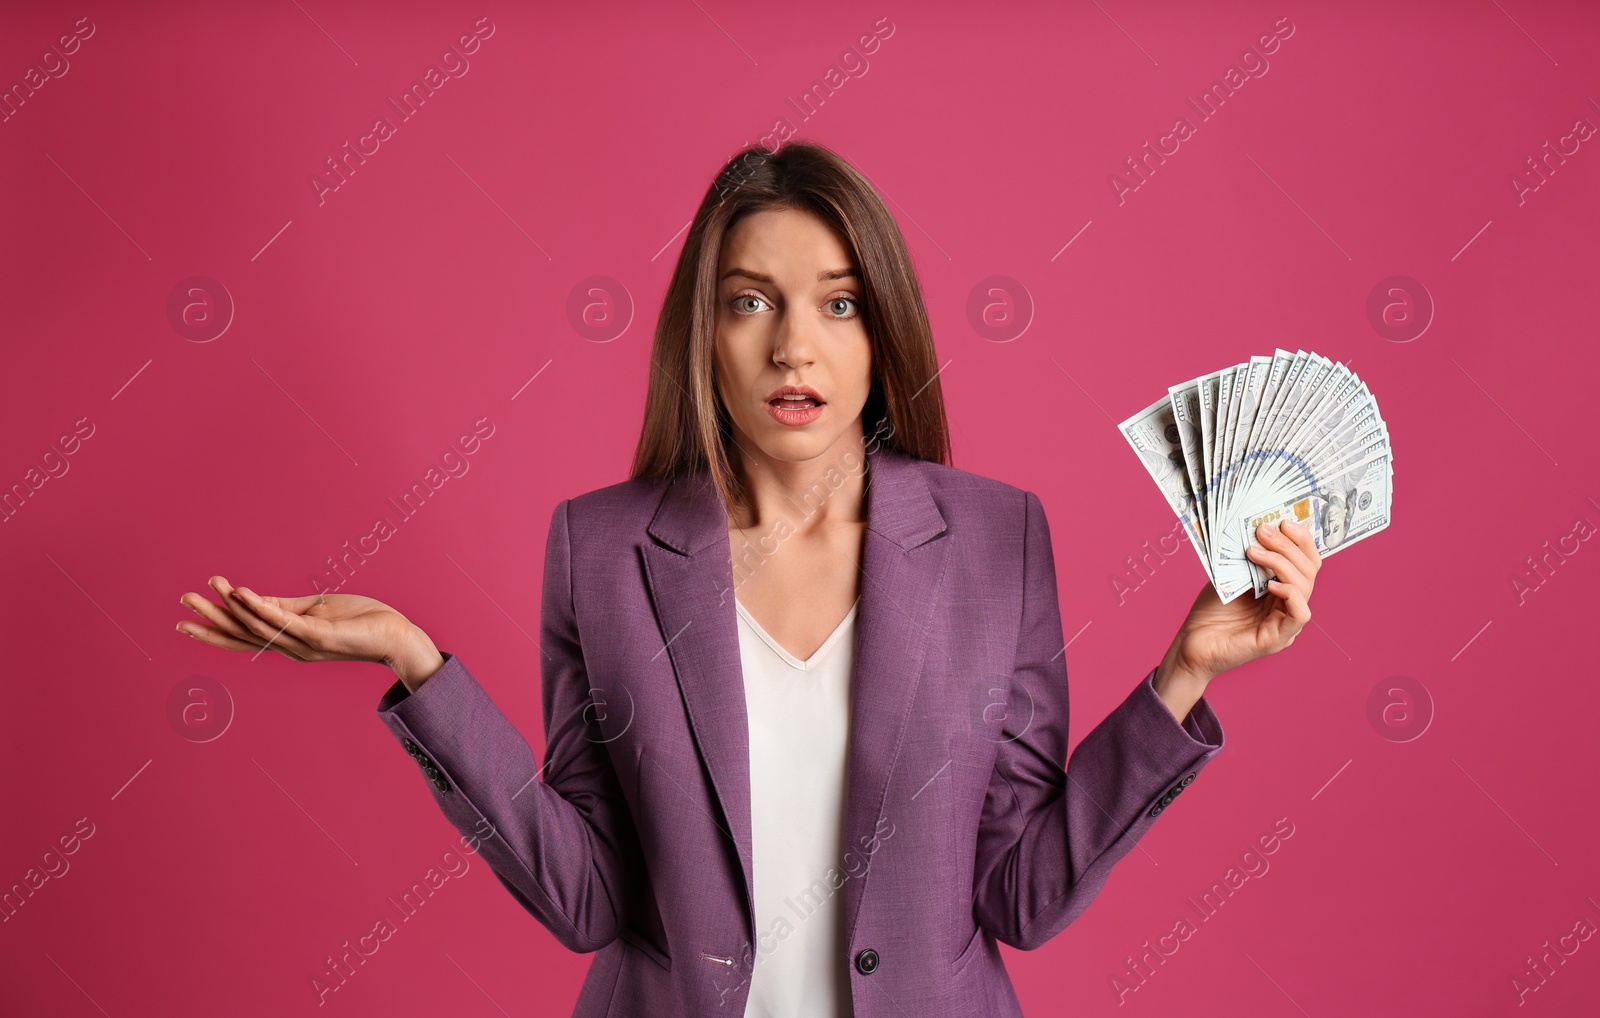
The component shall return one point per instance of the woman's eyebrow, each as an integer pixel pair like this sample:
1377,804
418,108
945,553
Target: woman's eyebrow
822,277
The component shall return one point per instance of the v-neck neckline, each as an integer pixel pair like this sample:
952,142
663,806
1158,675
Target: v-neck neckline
788,658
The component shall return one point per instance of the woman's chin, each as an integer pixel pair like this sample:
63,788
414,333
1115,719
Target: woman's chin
779,443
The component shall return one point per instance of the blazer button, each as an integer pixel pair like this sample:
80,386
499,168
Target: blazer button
411,747
1155,810
867,961
1187,778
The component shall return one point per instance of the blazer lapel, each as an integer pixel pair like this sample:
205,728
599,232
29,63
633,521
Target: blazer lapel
690,575
902,564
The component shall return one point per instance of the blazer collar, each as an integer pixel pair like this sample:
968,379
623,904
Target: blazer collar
690,576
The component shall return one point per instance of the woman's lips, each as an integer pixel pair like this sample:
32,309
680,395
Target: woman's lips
795,412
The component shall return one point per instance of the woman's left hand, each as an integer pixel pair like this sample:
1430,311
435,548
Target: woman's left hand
1216,636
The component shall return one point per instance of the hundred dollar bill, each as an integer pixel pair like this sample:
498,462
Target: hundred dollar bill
1247,400
1153,433
1349,509
1209,389
1305,397
1286,393
1186,415
1293,455
1272,389
1344,444
1354,463
1293,432
1228,386
1337,391
1338,475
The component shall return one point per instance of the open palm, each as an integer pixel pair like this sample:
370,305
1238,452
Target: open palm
319,627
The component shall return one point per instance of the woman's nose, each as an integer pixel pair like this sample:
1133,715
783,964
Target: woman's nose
792,347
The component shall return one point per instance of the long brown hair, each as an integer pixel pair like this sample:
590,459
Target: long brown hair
686,427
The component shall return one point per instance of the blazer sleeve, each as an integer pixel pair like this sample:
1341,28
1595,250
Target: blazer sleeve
564,846
1049,836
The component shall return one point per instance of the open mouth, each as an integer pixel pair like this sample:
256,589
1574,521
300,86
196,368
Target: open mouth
795,409
795,402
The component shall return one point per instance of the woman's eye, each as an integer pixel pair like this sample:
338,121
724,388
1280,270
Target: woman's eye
842,308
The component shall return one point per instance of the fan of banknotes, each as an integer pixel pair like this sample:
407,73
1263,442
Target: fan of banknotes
1293,436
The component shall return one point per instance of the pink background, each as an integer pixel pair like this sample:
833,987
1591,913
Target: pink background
373,329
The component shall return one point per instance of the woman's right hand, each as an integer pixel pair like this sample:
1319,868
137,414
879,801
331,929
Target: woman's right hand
319,627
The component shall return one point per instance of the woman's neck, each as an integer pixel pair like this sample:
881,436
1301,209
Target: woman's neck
808,494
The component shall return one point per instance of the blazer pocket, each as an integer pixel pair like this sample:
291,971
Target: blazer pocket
974,947
646,948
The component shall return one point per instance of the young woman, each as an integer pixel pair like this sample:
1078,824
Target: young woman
804,691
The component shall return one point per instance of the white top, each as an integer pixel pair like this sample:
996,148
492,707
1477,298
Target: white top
799,714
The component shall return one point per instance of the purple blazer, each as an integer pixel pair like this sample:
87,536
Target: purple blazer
962,829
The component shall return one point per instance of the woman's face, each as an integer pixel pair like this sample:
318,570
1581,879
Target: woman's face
790,313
